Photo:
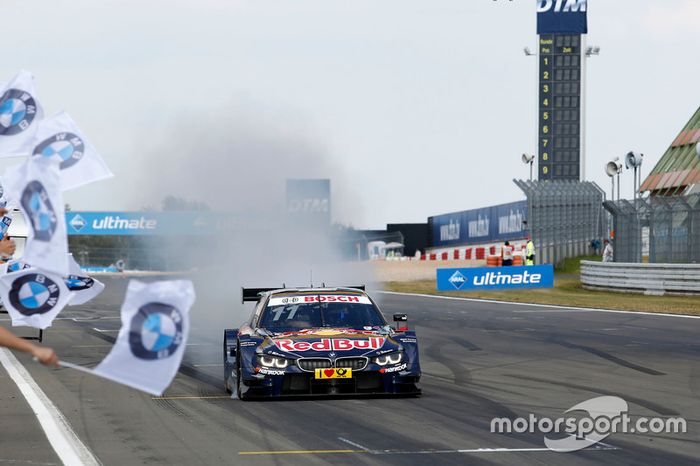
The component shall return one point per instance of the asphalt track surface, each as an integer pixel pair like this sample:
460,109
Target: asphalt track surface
480,361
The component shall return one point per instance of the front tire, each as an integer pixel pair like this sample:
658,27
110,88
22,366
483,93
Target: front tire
239,394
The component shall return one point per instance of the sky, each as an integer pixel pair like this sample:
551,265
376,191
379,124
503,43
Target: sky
411,108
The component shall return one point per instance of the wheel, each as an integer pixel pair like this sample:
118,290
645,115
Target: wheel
227,374
239,394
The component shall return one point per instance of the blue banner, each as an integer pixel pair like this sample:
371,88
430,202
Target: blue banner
562,17
495,278
486,225
163,223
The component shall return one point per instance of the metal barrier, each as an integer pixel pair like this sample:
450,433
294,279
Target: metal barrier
672,225
564,217
654,279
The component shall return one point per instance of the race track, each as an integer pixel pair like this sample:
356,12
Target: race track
480,361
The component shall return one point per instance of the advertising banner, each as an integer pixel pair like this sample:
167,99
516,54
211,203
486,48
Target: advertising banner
495,278
562,17
489,224
162,223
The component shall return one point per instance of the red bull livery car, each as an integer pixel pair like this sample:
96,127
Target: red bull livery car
319,341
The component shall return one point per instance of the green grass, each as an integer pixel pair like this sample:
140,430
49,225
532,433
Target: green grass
567,291
572,266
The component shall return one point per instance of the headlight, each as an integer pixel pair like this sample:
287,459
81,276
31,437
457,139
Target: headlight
387,359
273,361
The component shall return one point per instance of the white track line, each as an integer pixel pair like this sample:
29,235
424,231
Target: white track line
69,448
550,306
598,447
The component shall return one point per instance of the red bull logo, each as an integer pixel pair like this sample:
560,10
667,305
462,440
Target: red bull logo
331,344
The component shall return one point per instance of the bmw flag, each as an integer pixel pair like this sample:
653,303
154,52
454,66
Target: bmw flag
151,342
20,113
59,138
34,187
33,297
83,287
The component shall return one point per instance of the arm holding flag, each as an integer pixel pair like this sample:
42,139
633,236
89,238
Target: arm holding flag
45,355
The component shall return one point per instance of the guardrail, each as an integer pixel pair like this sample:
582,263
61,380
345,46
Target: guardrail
652,279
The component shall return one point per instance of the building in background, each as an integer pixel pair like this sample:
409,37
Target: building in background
415,236
677,173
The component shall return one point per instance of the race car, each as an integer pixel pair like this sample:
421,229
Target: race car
319,341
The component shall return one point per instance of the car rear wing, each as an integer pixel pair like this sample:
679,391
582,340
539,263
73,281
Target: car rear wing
253,294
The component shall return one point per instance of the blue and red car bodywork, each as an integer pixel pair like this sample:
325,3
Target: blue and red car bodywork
383,360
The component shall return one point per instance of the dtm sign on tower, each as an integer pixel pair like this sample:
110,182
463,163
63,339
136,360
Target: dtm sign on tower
560,25
309,201
562,17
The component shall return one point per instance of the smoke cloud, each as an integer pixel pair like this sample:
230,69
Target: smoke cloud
237,161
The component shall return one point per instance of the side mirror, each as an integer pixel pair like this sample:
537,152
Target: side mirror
400,318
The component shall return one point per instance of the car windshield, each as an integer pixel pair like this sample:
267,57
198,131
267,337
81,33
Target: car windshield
288,316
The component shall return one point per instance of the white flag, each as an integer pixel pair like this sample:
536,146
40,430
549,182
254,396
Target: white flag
73,266
58,137
152,340
14,266
34,187
20,114
33,298
84,288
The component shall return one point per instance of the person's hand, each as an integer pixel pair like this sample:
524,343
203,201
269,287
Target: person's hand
46,356
3,211
7,246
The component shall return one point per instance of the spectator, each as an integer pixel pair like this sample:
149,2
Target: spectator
530,252
607,251
507,253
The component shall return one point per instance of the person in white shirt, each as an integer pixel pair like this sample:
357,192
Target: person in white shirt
607,251
507,253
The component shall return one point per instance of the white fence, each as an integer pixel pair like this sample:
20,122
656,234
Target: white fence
654,279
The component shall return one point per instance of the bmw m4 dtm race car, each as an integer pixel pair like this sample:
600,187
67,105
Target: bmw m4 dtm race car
319,341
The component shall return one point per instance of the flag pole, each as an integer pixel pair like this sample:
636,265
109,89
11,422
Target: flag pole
70,365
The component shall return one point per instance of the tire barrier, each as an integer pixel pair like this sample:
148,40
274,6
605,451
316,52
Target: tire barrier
494,261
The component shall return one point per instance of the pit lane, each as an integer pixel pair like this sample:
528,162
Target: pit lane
480,361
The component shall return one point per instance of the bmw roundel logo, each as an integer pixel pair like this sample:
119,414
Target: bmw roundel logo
17,111
76,283
68,147
34,293
155,331
16,266
36,203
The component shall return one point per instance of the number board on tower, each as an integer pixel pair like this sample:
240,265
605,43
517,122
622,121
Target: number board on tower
559,106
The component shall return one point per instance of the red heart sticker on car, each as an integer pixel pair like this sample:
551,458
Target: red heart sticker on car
328,372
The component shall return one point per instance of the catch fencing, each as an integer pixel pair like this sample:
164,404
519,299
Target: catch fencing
665,228
564,217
